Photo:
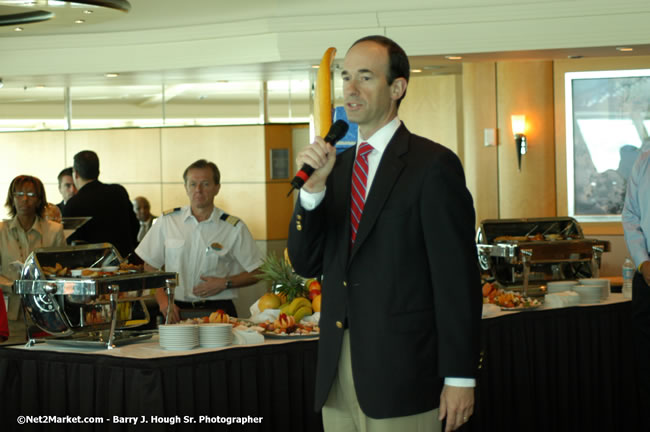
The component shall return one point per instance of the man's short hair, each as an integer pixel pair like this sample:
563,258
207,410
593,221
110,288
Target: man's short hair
40,193
398,61
201,164
86,164
64,172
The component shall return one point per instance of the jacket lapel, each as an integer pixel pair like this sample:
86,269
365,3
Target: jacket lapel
341,191
389,169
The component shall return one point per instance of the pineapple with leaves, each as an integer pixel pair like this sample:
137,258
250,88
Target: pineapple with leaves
284,280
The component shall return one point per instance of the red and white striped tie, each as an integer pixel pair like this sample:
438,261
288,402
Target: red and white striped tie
359,183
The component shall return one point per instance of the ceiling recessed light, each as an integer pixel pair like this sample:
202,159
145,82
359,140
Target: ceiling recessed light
573,57
79,21
451,57
416,70
18,29
88,12
111,75
315,66
624,49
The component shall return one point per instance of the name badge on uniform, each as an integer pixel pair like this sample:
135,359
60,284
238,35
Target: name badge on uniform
216,246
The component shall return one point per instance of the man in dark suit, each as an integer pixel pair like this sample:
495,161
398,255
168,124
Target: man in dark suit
390,227
113,219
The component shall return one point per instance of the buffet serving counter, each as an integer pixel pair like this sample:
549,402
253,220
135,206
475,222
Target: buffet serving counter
545,370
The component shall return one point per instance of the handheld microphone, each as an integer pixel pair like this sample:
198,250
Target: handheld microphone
336,132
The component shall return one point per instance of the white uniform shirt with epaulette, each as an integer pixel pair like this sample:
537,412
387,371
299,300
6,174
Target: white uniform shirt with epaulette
219,246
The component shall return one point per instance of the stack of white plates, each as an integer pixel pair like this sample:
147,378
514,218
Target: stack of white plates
215,335
588,293
179,336
560,286
604,285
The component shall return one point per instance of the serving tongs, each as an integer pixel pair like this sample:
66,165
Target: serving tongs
552,226
531,231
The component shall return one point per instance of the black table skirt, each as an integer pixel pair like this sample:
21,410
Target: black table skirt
275,382
556,370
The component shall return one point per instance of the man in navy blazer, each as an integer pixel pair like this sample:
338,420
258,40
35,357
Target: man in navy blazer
400,318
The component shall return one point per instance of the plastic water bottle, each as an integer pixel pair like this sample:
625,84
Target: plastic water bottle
628,275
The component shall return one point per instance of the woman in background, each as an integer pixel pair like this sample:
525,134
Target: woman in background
28,229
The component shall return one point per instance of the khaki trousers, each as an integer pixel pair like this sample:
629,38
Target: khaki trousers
341,412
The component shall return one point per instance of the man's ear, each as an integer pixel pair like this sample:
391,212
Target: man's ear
398,88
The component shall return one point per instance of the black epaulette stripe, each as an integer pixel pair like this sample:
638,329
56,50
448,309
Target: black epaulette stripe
232,220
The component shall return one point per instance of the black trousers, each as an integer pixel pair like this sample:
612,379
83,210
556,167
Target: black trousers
641,320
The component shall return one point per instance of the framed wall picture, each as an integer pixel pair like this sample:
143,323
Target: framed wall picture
607,127
279,164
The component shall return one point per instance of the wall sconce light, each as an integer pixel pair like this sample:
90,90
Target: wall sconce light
518,129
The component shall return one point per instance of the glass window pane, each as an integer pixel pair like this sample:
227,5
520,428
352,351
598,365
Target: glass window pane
31,108
216,103
117,106
607,124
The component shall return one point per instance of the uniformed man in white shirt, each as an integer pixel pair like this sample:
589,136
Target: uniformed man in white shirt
212,252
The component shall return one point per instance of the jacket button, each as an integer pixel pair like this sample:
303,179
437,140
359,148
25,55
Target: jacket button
299,227
299,217
345,283
339,324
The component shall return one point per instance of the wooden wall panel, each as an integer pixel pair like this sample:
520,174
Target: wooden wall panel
125,155
279,206
238,151
526,88
430,109
480,162
40,154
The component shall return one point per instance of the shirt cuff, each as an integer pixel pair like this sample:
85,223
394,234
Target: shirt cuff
310,201
460,382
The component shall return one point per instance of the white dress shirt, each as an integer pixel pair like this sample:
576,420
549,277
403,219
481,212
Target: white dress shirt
212,247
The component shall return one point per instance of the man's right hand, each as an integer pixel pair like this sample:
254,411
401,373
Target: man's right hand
321,156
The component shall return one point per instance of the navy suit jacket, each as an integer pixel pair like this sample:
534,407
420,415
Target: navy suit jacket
409,288
113,219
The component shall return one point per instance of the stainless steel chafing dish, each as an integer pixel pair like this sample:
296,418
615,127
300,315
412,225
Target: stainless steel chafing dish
85,305
537,250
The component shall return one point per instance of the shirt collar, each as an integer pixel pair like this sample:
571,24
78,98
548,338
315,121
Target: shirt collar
380,139
214,216
14,224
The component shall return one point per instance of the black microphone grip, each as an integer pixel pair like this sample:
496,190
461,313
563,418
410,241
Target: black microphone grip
336,132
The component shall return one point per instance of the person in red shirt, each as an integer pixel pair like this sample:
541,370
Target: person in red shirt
4,324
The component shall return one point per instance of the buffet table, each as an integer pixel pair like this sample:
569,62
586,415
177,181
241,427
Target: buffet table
568,369
274,381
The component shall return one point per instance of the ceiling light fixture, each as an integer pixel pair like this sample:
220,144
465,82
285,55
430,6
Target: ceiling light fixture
79,21
18,29
624,49
111,75
44,10
416,70
451,57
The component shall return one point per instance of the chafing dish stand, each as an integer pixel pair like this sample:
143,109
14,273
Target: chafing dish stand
85,308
